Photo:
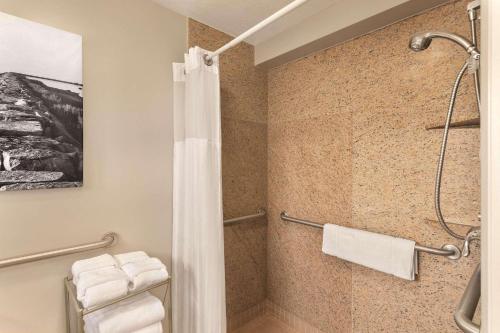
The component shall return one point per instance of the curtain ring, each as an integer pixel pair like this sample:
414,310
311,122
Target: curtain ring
207,60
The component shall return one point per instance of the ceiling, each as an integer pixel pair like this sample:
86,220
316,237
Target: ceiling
316,25
236,16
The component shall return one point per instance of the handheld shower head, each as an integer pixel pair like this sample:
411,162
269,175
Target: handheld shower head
422,41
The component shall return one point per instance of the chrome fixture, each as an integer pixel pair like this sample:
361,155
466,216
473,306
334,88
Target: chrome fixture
468,304
422,41
260,212
473,234
108,240
450,251
472,9
439,172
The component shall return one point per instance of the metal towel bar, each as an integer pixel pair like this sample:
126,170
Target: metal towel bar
468,304
449,251
108,239
261,212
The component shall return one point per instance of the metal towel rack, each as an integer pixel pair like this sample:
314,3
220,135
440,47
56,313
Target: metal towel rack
449,251
260,212
108,240
468,304
72,303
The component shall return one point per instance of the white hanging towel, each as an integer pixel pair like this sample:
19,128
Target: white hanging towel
384,253
136,314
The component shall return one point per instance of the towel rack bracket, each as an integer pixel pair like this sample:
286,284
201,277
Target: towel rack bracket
112,237
457,253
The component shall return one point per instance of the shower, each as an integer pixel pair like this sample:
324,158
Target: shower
422,41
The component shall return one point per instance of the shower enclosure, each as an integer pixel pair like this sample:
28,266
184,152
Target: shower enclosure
334,138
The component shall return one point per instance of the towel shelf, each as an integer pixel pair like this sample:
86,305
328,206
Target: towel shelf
107,240
261,212
449,251
469,123
72,302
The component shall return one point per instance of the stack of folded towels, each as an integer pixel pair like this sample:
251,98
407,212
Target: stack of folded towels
139,314
104,278
98,280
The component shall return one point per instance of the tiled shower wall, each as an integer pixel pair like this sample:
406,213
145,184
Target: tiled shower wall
244,168
347,144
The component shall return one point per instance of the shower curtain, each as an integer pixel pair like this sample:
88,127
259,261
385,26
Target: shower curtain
198,285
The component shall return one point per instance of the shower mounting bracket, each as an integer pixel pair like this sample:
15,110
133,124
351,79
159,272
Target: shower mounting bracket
473,5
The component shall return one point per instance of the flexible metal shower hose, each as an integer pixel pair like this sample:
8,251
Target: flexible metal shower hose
439,173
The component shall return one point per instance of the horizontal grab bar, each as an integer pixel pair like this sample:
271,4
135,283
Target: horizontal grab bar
468,304
108,239
450,251
261,212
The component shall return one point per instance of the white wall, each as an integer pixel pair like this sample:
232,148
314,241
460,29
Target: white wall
129,46
490,175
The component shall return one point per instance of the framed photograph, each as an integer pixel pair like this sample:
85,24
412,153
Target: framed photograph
41,106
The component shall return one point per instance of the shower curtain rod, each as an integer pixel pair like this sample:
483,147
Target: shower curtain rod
283,11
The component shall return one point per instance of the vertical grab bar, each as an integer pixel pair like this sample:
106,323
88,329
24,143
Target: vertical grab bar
468,304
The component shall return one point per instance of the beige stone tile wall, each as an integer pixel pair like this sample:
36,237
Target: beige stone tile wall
348,145
244,170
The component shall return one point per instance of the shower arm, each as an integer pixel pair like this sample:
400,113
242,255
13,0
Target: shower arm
457,39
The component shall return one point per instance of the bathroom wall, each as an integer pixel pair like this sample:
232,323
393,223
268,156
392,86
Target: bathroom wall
347,144
129,46
244,171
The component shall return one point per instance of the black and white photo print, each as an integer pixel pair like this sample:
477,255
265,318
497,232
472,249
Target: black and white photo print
41,106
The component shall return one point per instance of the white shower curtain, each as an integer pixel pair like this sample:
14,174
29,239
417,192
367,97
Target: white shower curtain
198,285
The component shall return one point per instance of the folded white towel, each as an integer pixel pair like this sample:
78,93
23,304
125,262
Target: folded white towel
155,328
129,257
98,276
384,253
130,315
90,264
105,292
145,273
100,285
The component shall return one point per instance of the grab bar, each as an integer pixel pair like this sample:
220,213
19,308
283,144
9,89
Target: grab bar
260,212
468,304
108,239
450,251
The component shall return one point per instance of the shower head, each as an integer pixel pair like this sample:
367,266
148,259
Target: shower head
422,41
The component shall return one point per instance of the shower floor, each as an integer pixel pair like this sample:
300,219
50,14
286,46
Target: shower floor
265,324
